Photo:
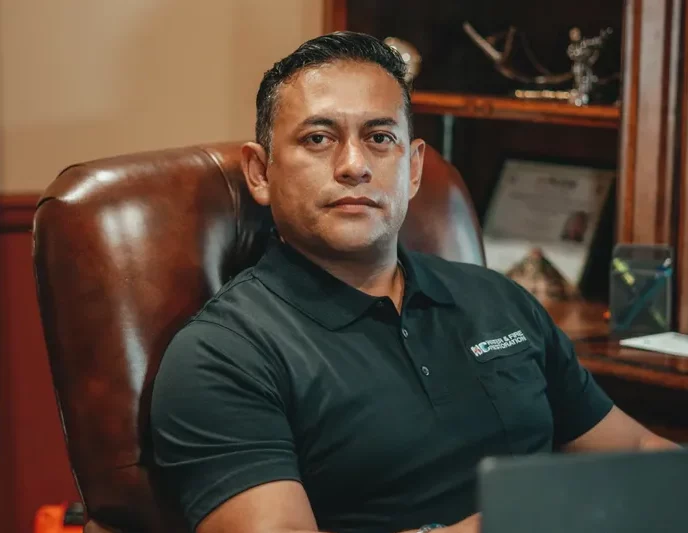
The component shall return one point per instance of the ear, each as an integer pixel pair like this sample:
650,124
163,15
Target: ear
416,169
254,163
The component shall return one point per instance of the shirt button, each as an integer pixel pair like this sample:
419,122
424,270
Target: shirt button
404,332
425,370
380,303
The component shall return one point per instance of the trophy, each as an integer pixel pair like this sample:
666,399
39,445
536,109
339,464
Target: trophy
541,278
583,52
409,54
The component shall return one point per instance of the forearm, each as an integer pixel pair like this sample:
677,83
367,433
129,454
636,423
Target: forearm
655,442
469,525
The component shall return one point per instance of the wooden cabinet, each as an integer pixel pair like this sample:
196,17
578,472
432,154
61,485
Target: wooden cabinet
462,105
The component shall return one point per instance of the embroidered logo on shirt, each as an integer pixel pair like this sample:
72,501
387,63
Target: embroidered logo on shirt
499,343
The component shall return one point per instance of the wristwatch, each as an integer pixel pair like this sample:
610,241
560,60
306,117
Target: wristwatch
430,527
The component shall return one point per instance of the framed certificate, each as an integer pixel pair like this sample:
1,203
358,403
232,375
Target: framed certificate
550,206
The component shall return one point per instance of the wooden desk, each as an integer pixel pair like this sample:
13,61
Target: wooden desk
584,323
652,387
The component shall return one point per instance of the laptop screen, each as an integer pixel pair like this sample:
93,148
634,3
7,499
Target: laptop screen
585,493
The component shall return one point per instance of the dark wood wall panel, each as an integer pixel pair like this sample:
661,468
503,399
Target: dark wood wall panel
34,464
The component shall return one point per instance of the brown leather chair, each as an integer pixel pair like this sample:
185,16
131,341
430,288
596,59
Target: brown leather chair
125,250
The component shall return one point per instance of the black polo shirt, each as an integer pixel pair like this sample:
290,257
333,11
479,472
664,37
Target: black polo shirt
290,374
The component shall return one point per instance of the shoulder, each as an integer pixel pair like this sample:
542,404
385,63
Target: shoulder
238,310
241,295
481,291
221,347
468,277
226,330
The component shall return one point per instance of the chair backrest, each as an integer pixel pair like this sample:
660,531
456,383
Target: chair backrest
125,250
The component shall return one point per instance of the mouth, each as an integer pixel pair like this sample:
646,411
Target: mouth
362,201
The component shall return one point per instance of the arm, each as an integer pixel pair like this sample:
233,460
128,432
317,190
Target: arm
585,416
618,431
222,438
218,420
282,507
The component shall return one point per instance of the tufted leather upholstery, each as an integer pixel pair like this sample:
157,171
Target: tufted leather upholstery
125,250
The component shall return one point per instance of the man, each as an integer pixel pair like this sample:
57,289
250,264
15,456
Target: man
343,383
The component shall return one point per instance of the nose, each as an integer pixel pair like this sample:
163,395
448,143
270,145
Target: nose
352,165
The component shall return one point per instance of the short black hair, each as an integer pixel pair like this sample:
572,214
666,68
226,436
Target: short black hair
344,45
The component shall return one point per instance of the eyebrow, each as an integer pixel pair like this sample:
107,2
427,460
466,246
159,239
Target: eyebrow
384,121
318,120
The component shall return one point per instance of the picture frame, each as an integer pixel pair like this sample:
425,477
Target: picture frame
553,206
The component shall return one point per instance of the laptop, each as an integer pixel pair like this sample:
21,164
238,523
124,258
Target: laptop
624,492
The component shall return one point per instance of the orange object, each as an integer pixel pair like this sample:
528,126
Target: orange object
51,519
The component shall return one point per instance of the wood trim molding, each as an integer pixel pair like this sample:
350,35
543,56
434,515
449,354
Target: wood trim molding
652,32
502,108
334,16
16,212
629,126
681,306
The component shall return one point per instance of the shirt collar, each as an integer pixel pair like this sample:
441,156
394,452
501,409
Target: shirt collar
421,279
328,300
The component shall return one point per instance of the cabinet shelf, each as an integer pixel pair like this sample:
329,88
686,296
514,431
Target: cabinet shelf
502,108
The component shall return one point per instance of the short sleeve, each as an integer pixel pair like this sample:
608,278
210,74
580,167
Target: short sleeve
219,419
578,403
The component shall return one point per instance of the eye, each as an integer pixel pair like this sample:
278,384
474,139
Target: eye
382,138
318,140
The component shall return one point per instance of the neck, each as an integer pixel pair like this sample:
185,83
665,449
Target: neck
376,274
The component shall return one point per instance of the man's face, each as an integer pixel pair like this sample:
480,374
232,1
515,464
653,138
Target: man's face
342,169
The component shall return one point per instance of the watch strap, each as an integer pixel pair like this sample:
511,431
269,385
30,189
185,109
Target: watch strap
430,527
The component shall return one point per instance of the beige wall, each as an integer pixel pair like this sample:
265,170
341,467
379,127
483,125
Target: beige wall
81,79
